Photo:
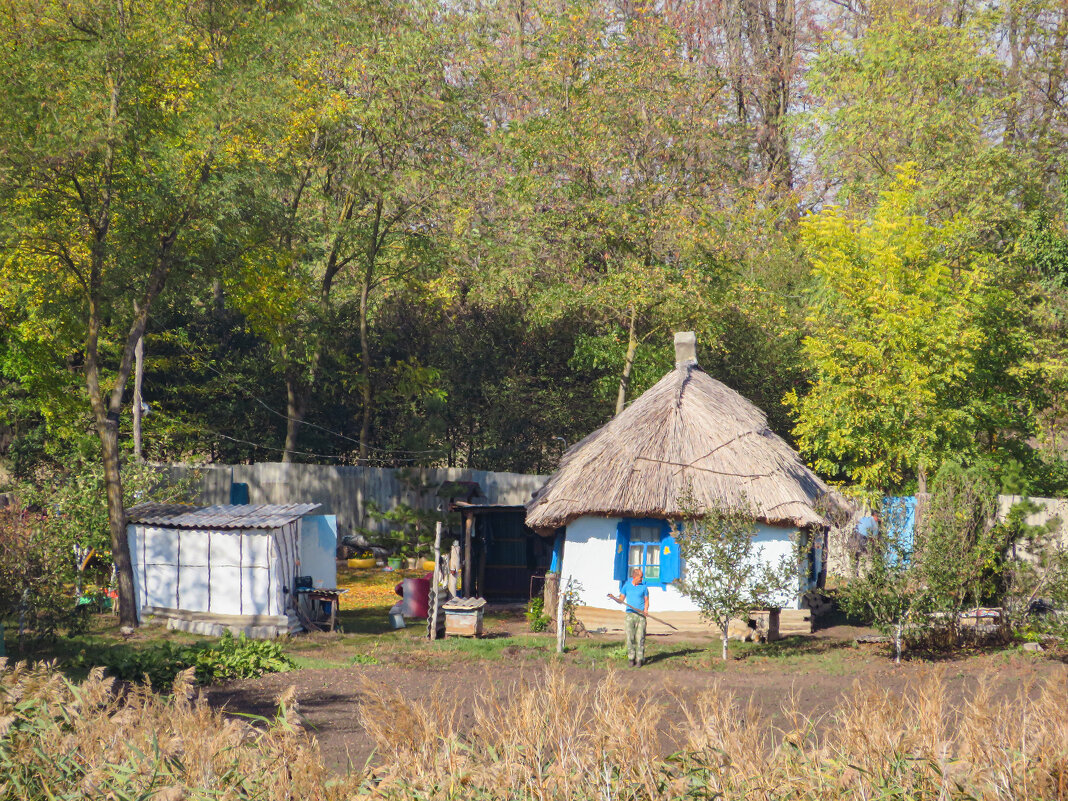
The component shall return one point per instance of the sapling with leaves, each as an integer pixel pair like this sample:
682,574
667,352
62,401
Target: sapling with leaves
959,548
1036,576
726,574
888,592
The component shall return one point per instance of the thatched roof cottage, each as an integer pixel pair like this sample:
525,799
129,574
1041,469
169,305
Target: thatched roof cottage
617,489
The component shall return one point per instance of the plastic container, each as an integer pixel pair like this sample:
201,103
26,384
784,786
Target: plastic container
416,597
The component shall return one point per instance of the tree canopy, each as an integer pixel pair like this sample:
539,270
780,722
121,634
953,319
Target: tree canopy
403,233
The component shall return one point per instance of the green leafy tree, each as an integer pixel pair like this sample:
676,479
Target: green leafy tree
724,571
117,187
614,143
918,347
364,162
919,87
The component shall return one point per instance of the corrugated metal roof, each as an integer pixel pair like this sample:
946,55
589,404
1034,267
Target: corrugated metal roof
259,515
463,604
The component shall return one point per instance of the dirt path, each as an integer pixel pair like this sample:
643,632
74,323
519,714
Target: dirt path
330,699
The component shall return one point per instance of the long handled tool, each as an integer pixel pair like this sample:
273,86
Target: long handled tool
640,612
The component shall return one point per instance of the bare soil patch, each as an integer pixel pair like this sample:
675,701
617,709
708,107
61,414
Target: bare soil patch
815,673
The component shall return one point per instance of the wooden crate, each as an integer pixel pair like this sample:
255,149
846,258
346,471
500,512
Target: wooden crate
463,617
463,623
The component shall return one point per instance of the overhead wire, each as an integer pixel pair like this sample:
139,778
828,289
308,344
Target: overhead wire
284,416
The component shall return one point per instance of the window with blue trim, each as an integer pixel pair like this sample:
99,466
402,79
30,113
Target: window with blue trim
647,544
645,551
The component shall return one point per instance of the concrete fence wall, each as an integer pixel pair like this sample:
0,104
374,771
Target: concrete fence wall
345,491
842,563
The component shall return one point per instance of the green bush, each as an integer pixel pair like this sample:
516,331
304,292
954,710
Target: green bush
536,615
230,658
241,658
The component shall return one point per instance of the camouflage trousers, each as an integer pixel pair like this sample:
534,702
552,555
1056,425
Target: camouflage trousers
635,628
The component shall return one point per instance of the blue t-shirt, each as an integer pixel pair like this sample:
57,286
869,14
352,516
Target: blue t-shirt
635,595
868,527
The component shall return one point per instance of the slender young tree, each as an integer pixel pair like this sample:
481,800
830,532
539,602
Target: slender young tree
366,159
725,573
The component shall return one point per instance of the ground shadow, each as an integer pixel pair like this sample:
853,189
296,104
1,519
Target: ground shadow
678,653
371,620
793,646
835,618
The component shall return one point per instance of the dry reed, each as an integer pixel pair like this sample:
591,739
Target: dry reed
549,738
546,737
62,740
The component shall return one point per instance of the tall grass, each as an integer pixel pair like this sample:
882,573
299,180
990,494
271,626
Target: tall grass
546,738
551,739
91,741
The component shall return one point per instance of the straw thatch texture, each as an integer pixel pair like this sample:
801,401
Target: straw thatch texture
687,430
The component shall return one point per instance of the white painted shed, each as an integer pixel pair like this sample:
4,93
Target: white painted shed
209,569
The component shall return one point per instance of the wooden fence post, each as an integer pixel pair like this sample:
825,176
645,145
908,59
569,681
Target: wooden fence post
560,624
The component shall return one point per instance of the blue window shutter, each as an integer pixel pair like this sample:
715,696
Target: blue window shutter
622,547
670,563
558,552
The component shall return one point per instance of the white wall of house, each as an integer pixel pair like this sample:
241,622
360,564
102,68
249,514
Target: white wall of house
589,557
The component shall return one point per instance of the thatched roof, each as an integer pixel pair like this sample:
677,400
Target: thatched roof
687,430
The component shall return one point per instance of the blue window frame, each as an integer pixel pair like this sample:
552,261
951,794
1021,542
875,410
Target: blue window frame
648,544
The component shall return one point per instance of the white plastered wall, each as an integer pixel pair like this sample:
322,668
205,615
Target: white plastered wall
589,557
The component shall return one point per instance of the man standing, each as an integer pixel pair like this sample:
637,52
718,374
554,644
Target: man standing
635,596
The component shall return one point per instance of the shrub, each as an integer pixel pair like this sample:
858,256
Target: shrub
536,616
230,658
35,571
241,658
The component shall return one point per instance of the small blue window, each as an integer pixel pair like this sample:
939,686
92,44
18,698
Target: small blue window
647,544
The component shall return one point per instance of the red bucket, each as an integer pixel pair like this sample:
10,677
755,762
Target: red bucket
416,597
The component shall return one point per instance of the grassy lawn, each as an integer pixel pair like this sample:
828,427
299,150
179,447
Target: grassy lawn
367,639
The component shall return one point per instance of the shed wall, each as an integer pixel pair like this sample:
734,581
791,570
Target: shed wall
221,572
318,548
589,554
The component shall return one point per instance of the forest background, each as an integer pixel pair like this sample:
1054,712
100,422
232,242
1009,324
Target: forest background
403,233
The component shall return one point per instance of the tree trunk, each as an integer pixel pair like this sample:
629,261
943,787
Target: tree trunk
726,627
120,546
295,406
377,235
365,368
139,372
781,39
628,361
